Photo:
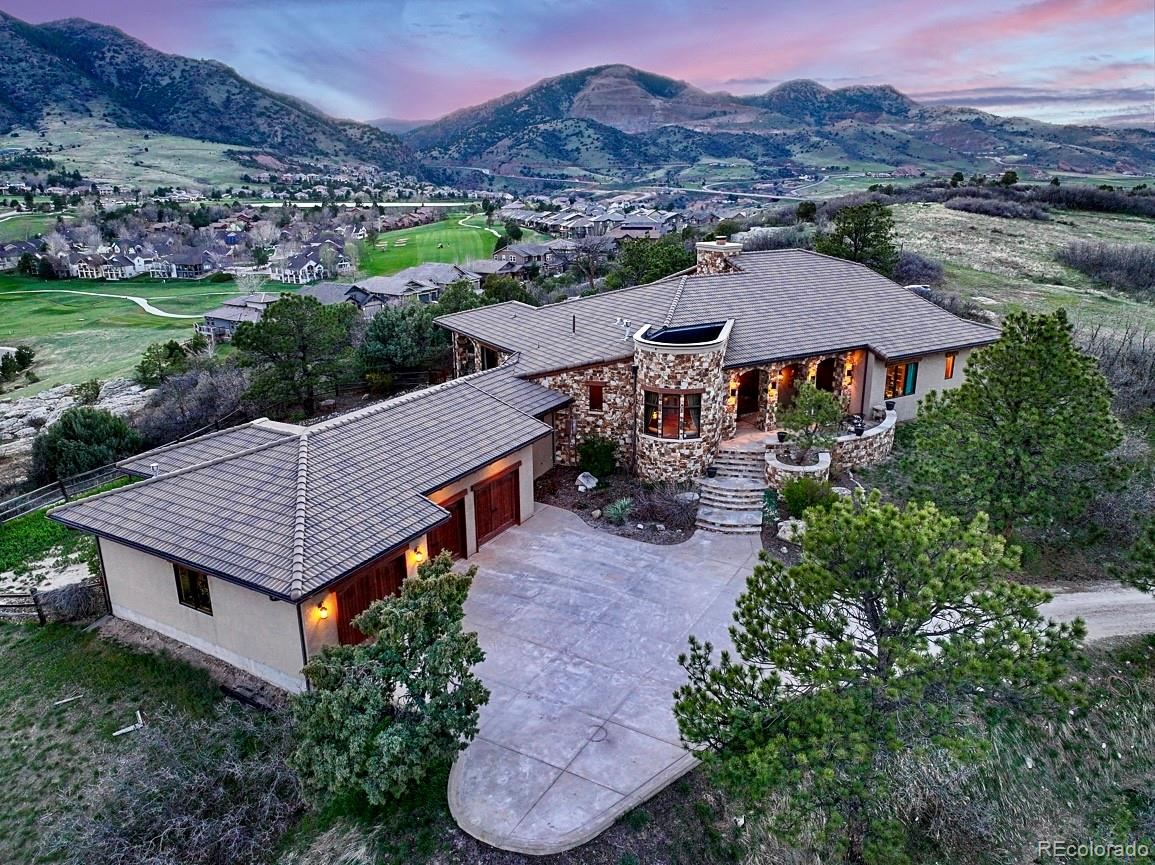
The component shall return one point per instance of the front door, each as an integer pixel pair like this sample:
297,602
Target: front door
355,593
824,374
450,535
748,392
788,380
495,505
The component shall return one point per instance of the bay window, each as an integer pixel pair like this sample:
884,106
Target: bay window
673,415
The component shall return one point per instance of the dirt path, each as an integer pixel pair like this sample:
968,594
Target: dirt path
139,301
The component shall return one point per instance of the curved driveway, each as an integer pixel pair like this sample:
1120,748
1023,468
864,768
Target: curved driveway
139,301
581,631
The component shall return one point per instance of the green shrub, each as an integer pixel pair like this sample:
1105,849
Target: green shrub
598,456
638,819
617,512
87,392
83,439
221,277
806,492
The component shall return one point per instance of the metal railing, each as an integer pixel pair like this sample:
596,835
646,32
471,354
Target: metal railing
58,491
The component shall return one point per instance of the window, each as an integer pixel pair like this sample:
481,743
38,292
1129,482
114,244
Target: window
192,589
595,392
673,415
950,359
901,379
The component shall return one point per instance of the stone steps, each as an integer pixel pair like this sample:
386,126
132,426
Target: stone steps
728,522
736,493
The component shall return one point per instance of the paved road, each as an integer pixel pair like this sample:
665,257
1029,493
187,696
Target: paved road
1110,610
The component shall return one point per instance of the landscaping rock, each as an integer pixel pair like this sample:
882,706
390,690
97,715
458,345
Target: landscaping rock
586,482
689,497
841,491
791,530
21,419
596,513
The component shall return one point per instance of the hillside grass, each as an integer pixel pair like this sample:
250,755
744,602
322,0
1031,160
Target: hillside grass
1010,264
48,753
135,157
78,337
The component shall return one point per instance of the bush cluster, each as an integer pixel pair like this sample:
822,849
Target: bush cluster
598,456
1124,267
805,492
998,207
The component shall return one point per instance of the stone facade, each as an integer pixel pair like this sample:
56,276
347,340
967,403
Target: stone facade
616,419
662,459
717,256
468,354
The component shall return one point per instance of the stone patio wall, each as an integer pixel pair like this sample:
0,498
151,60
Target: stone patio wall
868,449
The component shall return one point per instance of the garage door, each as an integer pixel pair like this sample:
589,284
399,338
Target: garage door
495,505
355,593
450,535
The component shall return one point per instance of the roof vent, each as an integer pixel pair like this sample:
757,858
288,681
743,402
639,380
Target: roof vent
154,468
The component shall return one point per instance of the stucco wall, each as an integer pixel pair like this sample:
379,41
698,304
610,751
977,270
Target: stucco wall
246,629
931,371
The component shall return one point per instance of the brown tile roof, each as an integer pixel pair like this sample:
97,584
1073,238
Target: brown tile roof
300,509
784,303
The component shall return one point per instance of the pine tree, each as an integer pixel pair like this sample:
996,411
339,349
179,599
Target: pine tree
862,233
1026,437
382,715
896,632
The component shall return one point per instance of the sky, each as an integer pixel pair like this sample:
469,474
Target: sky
1066,61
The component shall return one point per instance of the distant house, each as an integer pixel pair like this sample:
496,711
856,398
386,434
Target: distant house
423,283
328,293
191,265
484,267
525,254
84,266
11,253
220,323
118,267
309,265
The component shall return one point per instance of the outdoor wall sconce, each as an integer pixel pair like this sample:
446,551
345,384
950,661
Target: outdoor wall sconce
322,610
418,556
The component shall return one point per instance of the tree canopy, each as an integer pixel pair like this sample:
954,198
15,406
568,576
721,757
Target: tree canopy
811,419
383,714
642,261
862,233
402,337
1026,437
894,634
298,348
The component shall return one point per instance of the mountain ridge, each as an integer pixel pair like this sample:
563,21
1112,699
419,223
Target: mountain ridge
77,67
798,119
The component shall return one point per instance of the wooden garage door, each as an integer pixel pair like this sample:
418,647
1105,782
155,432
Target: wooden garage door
356,592
450,535
495,504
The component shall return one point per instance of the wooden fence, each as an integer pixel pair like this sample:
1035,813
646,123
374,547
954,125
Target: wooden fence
57,492
22,602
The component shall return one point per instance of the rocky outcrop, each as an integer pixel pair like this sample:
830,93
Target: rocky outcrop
22,419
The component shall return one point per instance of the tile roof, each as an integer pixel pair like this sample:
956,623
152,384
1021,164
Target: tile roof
784,303
181,455
300,507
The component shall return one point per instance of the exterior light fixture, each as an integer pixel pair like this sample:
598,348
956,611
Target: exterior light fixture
322,610
418,555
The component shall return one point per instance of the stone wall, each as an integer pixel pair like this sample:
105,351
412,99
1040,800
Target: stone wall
682,459
616,419
467,355
868,449
778,473
21,419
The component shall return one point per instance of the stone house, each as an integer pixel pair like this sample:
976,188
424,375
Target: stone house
260,543
673,370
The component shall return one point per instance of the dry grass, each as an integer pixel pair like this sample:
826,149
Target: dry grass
1013,264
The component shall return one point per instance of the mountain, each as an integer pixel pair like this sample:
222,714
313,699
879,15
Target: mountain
617,118
397,125
77,68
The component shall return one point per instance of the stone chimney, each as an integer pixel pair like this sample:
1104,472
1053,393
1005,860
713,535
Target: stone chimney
717,256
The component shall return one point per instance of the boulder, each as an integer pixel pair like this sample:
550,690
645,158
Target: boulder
689,497
596,513
841,491
586,482
791,530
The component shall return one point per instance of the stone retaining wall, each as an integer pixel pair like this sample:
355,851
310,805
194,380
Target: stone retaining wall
868,449
778,473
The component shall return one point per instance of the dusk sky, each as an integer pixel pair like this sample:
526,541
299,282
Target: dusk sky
1060,60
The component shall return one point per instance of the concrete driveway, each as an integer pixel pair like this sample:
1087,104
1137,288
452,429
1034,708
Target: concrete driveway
582,631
